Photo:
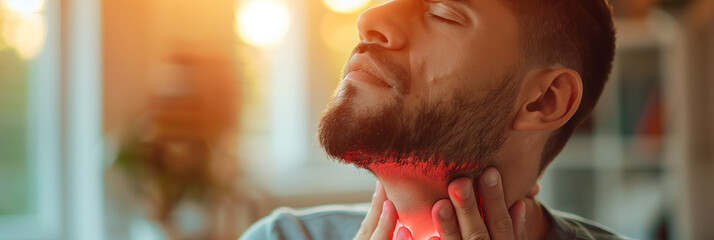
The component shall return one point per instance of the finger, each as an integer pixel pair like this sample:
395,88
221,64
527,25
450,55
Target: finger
387,222
461,193
533,191
495,211
445,221
434,238
518,214
370,221
404,234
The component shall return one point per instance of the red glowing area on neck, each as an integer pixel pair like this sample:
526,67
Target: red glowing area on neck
414,184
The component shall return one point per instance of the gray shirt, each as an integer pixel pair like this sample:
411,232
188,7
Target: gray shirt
342,222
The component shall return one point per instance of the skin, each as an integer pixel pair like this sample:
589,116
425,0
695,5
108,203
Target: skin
459,210
440,56
443,45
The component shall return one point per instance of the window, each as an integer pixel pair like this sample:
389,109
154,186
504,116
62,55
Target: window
50,134
29,119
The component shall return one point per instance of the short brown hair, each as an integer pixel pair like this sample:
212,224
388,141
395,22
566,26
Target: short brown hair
578,34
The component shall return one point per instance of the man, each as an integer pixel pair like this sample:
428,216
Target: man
457,107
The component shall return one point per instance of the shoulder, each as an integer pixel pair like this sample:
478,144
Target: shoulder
322,222
570,226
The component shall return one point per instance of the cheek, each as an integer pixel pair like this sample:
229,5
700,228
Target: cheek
440,69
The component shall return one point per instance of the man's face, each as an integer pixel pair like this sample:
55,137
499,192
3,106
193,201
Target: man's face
431,84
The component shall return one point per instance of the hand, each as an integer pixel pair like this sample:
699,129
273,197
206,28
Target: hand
467,223
381,220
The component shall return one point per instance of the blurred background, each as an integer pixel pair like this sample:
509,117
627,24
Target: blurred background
186,119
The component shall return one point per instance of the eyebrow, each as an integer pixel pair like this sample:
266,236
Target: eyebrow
467,2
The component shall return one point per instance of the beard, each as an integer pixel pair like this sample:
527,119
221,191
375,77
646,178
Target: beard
448,139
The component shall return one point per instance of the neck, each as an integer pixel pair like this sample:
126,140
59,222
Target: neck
537,223
413,198
414,195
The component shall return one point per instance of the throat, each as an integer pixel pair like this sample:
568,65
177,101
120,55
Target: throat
414,191
413,194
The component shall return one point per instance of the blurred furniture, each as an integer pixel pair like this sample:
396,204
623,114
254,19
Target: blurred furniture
616,163
643,164
694,183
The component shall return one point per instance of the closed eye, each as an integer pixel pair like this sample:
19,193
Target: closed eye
440,12
442,19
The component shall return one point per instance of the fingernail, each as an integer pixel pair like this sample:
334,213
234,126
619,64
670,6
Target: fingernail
385,208
377,190
446,212
523,215
404,234
490,178
464,190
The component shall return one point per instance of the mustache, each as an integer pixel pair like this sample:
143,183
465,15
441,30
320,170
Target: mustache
380,56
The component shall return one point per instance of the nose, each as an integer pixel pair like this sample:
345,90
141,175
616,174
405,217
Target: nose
385,25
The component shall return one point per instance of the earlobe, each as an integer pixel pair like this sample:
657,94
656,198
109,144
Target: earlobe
551,100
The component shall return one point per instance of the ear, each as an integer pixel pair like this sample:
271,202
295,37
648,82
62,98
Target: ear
550,98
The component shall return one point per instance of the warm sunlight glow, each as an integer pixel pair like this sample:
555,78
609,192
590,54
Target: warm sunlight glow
3,45
346,6
338,31
262,22
25,32
24,6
